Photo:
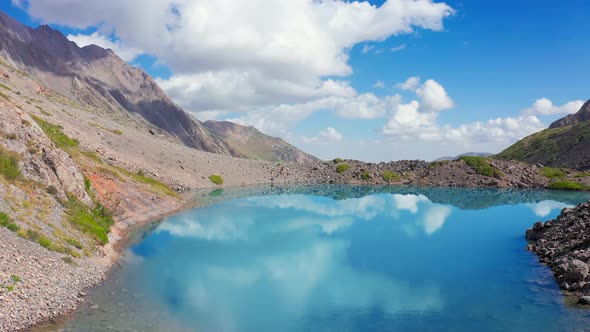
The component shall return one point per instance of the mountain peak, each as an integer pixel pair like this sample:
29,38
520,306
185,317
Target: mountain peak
97,77
581,116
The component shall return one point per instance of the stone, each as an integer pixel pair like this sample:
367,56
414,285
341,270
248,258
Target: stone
576,271
584,300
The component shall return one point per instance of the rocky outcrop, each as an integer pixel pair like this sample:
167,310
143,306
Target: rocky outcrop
582,115
564,245
40,160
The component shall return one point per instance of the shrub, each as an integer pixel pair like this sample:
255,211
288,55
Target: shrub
216,179
75,243
482,166
69,260
32,235
567,185
44,242
342,168
52,190
6,222
87,183
365,175
15,278
389,176
95,222
13,227
552,173
436,164
117,132
337,161
9,165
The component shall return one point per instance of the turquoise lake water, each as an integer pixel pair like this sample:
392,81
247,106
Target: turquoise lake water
339,258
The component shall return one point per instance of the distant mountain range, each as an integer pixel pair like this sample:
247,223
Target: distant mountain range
95,76
566,143
467,154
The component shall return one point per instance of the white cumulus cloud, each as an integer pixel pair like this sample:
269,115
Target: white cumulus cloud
265,50
544,106
434,96
411,84
329,135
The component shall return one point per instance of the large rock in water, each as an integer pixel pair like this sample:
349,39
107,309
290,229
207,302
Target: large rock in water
564,245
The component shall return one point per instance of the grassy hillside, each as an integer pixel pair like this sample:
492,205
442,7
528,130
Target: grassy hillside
567,146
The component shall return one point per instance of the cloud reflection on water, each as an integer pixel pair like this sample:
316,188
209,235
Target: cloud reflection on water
288,250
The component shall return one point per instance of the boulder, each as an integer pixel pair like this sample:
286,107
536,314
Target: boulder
575,270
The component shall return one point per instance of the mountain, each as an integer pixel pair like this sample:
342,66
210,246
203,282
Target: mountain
582,115
566,143
467,154
97,77
253,144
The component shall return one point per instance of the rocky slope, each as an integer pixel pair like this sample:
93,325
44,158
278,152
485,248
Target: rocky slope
582,115
98,77
253,144
564,245
566,143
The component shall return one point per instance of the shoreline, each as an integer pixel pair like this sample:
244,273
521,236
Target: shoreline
122,230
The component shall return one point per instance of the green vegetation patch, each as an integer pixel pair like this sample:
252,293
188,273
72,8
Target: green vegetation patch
74,243
567,185
365,175
436,164
155,184
56,135
337,161
92,156
114,131
216,179
6,222
342,168
5,87
44,242
552,173
482,166
389,176
9,165
95,222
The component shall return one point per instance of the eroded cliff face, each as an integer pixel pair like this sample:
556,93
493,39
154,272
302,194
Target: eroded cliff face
40,160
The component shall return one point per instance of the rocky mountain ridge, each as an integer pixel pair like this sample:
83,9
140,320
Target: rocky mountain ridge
95,76
582,115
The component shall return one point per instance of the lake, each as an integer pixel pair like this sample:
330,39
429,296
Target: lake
339,258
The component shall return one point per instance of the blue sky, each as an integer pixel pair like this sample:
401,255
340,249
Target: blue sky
519,65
